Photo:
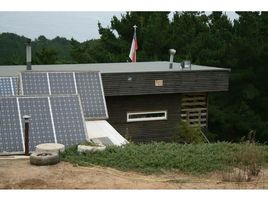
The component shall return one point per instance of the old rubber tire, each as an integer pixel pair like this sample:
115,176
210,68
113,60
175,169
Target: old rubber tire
40,159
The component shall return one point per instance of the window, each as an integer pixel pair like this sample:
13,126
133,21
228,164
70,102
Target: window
146,116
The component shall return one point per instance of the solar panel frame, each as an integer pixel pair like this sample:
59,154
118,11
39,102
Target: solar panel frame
87,113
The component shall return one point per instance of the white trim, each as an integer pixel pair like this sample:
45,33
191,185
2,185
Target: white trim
75,86
21,91
20,121
52,120
48,83
146,118
11,84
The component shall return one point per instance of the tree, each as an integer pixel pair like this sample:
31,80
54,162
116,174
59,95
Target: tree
46,56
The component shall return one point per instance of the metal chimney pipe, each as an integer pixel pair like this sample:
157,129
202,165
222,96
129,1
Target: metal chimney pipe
29,55
172,53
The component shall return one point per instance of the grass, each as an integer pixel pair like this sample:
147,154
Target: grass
159,157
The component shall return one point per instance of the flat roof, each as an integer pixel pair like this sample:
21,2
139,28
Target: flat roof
12,70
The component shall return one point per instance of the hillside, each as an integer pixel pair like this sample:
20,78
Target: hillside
44,51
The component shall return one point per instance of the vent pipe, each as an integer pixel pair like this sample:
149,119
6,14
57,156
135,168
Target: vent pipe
172,53
29,55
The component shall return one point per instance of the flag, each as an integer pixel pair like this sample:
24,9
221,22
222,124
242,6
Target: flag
134,47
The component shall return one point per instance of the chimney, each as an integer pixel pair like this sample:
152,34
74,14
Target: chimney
29,55
172,53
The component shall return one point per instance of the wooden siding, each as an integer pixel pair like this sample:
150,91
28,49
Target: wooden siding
119,84
162,130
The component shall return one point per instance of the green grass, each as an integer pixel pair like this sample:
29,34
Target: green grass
159,157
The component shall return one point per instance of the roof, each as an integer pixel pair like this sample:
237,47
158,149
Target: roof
12,70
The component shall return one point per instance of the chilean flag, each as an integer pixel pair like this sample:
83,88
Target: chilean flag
134,47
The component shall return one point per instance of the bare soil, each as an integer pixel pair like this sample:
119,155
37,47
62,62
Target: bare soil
20,174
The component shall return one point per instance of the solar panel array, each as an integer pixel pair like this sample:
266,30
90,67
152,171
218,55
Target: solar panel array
8,86
87,84
56,119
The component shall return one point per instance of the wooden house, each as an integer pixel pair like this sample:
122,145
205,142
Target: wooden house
147,100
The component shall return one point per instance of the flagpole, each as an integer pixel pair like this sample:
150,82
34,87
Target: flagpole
135,27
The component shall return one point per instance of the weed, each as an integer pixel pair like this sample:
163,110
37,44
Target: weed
248,162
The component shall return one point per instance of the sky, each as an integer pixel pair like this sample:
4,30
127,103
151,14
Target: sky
81,26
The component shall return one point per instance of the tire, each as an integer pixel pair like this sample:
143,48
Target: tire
40,159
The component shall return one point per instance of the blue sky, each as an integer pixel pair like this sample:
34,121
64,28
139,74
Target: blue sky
79,25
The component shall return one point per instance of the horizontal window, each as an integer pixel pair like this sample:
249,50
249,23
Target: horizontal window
146,116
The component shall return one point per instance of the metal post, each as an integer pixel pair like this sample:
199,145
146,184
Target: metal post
26,133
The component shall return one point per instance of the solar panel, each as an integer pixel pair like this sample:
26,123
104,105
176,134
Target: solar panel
41,123
56,119
8,86
62,83
68,120
11,140
87,84
34,83
15,85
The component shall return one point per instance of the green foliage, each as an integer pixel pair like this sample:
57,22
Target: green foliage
159,157
46,56
190,134
12,49
44,51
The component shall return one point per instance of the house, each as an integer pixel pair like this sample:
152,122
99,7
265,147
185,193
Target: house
147,100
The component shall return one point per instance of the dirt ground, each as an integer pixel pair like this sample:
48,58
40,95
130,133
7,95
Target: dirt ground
19,174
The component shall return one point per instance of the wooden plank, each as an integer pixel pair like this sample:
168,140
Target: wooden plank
198,120
193,109
186,99
194,103
194,114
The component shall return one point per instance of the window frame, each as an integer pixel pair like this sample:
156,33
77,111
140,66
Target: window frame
143,119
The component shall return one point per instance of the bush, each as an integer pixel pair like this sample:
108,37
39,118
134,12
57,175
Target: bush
191,134
159,157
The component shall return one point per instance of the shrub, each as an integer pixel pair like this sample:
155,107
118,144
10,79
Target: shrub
191,134
159,157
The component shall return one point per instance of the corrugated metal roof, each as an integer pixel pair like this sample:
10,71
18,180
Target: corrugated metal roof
102,129
12,70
